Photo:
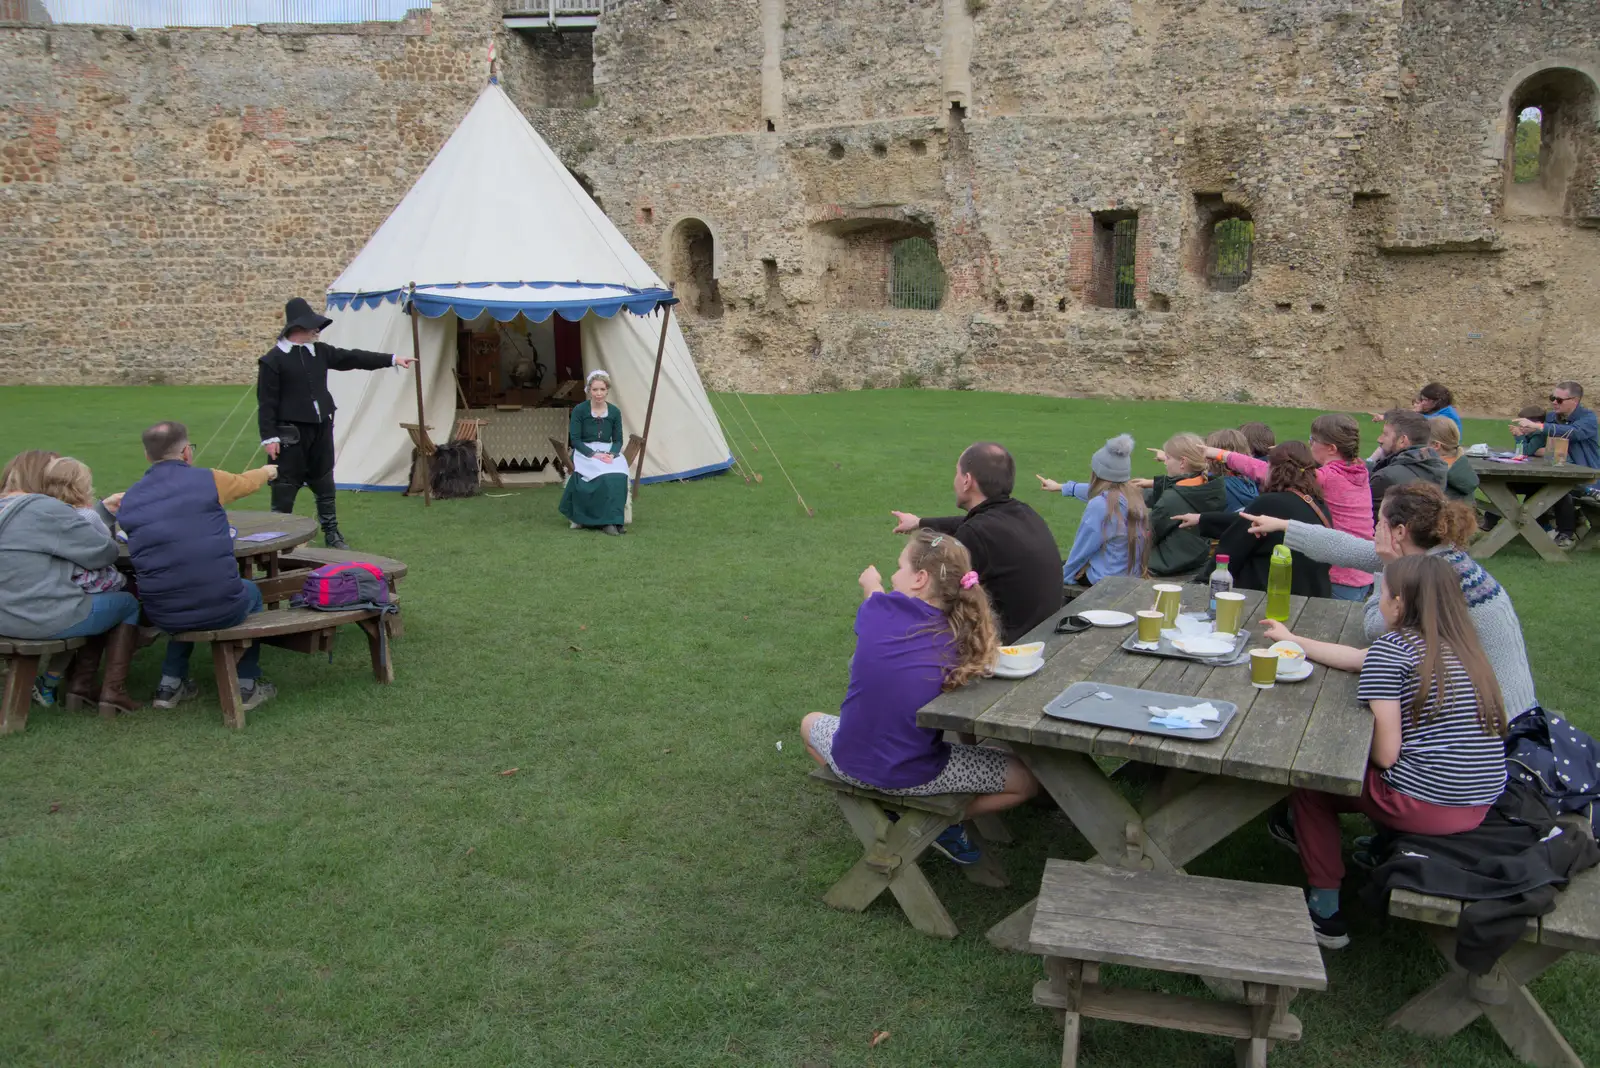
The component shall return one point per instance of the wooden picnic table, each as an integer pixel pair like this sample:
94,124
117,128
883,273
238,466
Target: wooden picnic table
1520,518
1312,734
296,530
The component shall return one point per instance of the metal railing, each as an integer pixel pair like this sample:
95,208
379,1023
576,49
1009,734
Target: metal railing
152,14
561,8
916,277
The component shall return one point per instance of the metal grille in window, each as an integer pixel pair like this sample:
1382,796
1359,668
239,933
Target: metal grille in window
1124,236
916,278
1233,243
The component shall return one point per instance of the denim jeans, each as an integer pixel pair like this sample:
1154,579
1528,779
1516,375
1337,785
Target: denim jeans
1342,592
106,610
176,663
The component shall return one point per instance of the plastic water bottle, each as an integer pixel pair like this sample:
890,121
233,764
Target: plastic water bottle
1221,581
1280,577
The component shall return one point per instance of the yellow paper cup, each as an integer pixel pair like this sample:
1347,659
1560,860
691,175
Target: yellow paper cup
1150,623
1168,600
1230,612
1263,668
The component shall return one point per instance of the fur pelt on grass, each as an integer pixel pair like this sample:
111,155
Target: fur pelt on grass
455,470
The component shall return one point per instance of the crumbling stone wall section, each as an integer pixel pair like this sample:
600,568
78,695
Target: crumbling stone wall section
162,192
1364,139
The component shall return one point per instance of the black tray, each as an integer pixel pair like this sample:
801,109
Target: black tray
1128,710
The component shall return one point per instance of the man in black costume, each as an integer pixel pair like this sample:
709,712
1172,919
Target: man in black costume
296,410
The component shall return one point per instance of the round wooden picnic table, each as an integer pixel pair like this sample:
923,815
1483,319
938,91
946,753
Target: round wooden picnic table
1520,517
293,531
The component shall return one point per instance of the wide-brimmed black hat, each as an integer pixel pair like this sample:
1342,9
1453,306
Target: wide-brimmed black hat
298,313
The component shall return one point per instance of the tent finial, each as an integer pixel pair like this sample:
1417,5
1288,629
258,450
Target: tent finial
494,79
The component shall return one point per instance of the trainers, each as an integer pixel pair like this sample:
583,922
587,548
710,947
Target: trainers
1331,931
954,843
255,694
1565,541
173,696
1280,828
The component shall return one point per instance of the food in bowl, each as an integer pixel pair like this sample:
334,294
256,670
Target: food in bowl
1021,656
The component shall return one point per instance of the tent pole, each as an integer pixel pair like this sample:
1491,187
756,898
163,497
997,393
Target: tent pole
649,412
416,368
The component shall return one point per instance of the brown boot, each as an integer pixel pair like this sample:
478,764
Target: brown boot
80,689
119,655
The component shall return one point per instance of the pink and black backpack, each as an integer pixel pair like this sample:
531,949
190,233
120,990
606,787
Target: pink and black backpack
340,587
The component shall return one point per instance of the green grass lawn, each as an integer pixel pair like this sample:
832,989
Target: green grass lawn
353,880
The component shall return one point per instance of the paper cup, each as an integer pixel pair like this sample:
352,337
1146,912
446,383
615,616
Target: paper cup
1263,668
1168,600
1230,612
1150,623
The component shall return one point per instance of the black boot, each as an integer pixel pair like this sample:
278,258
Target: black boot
329,518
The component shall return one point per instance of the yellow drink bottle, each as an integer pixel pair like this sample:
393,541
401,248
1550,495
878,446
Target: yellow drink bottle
1280,576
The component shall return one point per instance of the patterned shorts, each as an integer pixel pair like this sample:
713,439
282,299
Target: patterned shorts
973,769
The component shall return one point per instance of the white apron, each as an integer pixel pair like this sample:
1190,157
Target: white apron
590,467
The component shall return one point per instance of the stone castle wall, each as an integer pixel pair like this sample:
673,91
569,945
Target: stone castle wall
1365,138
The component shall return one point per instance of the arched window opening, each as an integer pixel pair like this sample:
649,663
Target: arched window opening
1552,153
916,277
694,264
1231,253
1525,151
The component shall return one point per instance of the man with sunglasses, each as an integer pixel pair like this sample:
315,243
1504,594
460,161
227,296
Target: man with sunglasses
1569,419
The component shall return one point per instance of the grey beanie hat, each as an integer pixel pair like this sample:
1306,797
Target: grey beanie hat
1114,460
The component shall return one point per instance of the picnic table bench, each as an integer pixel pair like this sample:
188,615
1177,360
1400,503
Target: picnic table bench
303,630
22,666
300,562
891,850
1311,734
1503,996
1249,933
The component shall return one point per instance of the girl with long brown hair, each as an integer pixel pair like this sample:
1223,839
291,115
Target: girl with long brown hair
1292,492
1114,532
1417,519
932,631
1437,762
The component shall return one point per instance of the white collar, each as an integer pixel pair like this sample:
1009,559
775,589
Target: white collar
284,345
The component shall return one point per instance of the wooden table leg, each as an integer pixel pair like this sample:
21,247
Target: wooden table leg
20,672
378,647
1520,518
1450,1004
1099,812
1192,822
225,660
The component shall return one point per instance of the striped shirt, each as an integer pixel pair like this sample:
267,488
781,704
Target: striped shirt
1447,759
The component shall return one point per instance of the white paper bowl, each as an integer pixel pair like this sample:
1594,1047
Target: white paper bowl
1020,656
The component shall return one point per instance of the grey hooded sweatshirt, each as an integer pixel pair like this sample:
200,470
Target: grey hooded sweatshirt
41,541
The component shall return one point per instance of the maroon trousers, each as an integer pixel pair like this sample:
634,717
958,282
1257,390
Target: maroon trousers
1316,823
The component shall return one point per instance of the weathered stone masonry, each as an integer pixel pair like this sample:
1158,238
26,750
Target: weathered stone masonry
1366,139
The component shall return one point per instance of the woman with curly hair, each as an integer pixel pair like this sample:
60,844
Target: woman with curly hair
933,631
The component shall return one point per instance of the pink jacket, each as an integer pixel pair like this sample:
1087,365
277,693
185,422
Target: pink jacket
1346,492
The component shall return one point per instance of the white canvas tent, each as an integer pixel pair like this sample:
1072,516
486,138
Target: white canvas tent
497,226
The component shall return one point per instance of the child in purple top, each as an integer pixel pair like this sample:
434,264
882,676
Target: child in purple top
934,632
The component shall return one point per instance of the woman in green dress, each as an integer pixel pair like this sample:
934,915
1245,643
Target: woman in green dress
597,490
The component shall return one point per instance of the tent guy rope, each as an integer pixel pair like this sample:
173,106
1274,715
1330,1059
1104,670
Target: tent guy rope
808,509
